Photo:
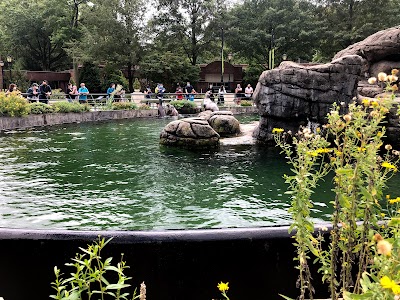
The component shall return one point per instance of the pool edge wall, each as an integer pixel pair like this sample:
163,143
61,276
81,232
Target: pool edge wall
12,123
177,264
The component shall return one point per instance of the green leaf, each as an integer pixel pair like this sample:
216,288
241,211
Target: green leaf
350,296
285,297
117,286
112,268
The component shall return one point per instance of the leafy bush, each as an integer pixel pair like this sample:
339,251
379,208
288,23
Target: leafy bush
57,94
13,105
38,108
144,107
246,103
123,105
66,107
179,104
136,84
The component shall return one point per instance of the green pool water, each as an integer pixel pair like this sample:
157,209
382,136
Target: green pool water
115,175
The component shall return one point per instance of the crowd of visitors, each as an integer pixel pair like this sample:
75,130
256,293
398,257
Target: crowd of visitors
43,92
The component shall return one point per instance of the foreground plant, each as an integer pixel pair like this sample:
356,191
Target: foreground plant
91,277
223,288
360,174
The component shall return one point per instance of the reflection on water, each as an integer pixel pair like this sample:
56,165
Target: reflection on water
115,175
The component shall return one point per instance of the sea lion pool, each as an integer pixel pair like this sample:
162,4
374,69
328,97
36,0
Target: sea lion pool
116,176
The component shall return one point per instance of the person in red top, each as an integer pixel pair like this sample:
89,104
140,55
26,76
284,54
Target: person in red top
179,92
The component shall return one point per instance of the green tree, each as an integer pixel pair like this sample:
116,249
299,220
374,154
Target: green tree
112,74
289,24
191,26
168,68
345,22
31,30
110,33
90,75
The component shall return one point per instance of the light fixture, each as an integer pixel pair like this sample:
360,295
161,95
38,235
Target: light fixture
9,59
284,56
230,56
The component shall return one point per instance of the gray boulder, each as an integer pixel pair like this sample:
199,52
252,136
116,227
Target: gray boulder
224,123
293,94
193,133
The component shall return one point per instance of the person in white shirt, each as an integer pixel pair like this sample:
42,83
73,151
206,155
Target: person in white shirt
221,92
248,91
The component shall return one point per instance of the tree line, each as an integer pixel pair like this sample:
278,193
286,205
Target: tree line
165,40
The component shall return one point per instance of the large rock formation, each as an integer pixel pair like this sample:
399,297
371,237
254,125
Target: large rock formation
293,94
380,52
193,133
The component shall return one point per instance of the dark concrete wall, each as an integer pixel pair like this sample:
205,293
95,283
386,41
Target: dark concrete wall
181,265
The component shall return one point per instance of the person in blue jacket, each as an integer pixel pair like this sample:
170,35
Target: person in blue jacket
110,89
83,92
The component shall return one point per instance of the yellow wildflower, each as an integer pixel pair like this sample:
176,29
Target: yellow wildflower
312,153
324,150
372,80
386,282
361,149
395,88
388,197
374,104
396,289
395,71
365,102
393,201
278,130
383,215
384,247
388,165
223,287
382,76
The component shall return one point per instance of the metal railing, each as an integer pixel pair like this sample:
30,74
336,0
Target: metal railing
99,100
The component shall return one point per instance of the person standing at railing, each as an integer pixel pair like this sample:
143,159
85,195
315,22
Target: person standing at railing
44,92
33,93
83,92
248,91
179,92
210,92
70,92
110,90
189,90
238,94
221,92
12,88
160,90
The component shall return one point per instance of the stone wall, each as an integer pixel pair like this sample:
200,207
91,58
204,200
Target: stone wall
10,123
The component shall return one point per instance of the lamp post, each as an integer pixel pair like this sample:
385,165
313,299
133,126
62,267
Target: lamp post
9,61
1,75
230,56
222,55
